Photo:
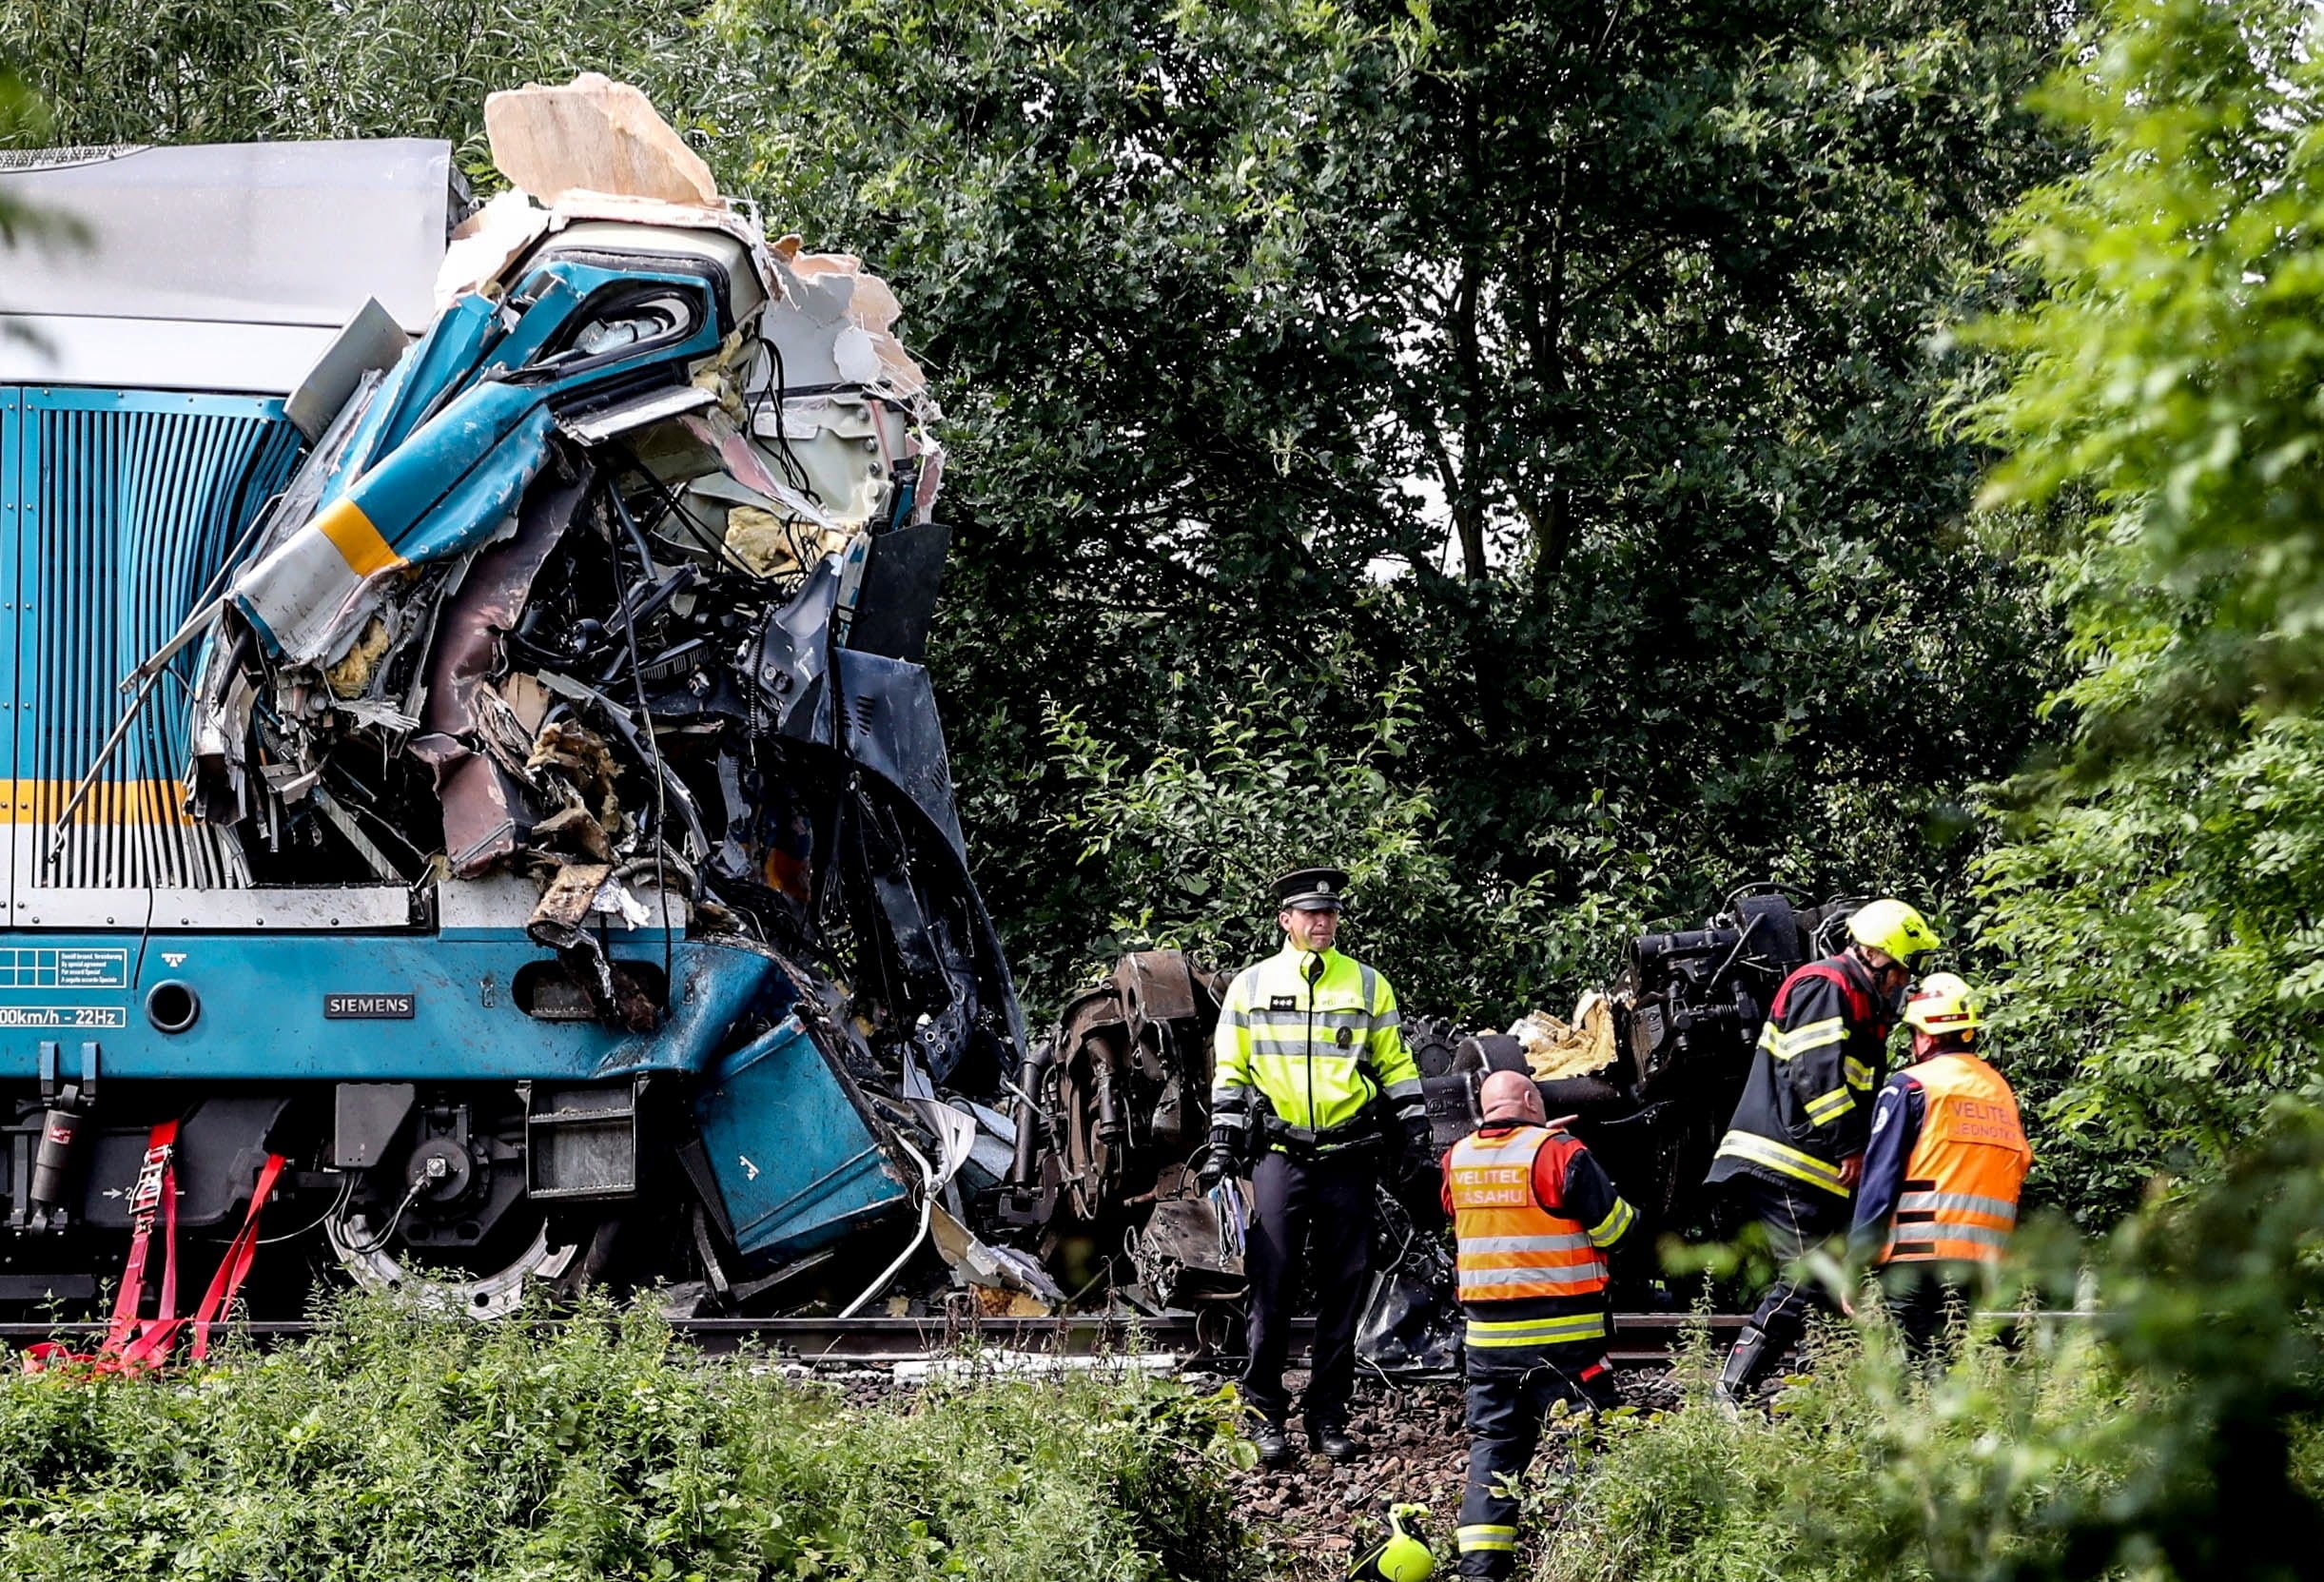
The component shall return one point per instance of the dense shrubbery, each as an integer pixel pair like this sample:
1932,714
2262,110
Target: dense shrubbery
2178,1436
2155,917
1860,1476
400,1447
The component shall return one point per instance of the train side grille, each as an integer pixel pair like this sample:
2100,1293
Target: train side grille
126,505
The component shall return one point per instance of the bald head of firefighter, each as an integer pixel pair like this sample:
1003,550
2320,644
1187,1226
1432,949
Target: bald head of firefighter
1948,1156
1793,1150
1312,1088
1533,1218
1510,1096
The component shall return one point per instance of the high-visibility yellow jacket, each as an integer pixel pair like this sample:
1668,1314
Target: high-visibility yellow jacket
1312,1037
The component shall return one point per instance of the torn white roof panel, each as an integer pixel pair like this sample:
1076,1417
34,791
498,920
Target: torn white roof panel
220,266
150,354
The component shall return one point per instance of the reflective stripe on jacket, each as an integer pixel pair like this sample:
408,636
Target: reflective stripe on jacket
1806,1102
1316,1052
1510,1248
1959,1200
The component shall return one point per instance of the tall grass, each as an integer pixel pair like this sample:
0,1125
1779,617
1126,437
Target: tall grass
2174,1435
1861,1471
398,1447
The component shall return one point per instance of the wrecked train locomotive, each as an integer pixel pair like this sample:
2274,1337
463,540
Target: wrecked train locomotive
526,816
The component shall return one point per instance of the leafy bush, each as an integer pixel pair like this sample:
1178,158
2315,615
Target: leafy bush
2153,919
2176,1435
2163,969
1190,837
1861,1475
396,1446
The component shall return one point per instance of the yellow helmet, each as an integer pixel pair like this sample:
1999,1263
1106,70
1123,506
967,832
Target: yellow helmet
1403,1556
1944,1004
1891,925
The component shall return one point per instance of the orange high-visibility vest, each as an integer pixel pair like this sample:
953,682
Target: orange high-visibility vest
1960,1184
1510,1247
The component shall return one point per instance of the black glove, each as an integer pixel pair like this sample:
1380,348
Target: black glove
1419,1143
1218,1159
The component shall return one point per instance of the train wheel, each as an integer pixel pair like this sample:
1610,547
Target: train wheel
565,1253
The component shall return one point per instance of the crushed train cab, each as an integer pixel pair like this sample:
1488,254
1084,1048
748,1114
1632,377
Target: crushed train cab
468,738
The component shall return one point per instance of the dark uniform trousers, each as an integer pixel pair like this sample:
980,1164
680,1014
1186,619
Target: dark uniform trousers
1321,1204
1923,1300
1510,1395
1797,1220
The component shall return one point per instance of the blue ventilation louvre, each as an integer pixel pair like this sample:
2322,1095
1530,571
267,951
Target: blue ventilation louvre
120,509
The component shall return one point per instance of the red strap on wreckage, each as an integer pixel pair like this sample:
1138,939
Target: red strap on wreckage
131,1344
235,1263
134,1345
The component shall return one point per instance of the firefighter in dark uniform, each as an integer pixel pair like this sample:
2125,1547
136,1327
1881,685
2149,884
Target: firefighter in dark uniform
1308,1068
1533,1218
1794,1150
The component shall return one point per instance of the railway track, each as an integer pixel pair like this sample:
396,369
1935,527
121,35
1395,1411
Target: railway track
1640,1339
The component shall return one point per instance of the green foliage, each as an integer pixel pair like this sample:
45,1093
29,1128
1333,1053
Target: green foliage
2153,918
1190,838
1863,1475
1644,305
235,71
2163,965
2217,1305
2177,1435
399,1446
2171,367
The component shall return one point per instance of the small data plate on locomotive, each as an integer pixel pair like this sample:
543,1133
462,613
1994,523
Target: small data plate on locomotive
369,1007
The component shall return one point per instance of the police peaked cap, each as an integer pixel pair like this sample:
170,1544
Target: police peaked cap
1303,887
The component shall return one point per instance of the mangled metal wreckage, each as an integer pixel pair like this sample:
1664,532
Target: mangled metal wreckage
575,673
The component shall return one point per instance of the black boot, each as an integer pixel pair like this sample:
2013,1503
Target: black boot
1273,1442
1330,1439
1744,1365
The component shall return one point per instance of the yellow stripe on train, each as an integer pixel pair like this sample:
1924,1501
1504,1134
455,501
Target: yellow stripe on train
136,802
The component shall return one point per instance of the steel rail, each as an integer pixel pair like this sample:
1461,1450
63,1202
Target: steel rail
1640,1339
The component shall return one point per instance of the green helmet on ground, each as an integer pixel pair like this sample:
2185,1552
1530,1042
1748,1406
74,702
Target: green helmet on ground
1401,1556
1889,925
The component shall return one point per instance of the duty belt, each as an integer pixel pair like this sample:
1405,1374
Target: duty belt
1362,1132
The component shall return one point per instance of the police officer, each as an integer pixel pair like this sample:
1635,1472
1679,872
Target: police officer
1941,1179
1533,1218
1307,1059
1796,1144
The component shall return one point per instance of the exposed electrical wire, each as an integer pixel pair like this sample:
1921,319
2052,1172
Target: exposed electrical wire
702,535
794,471
338,1206
393,1220
645,715
927,1208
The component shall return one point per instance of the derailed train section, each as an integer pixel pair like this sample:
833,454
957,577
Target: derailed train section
523,835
